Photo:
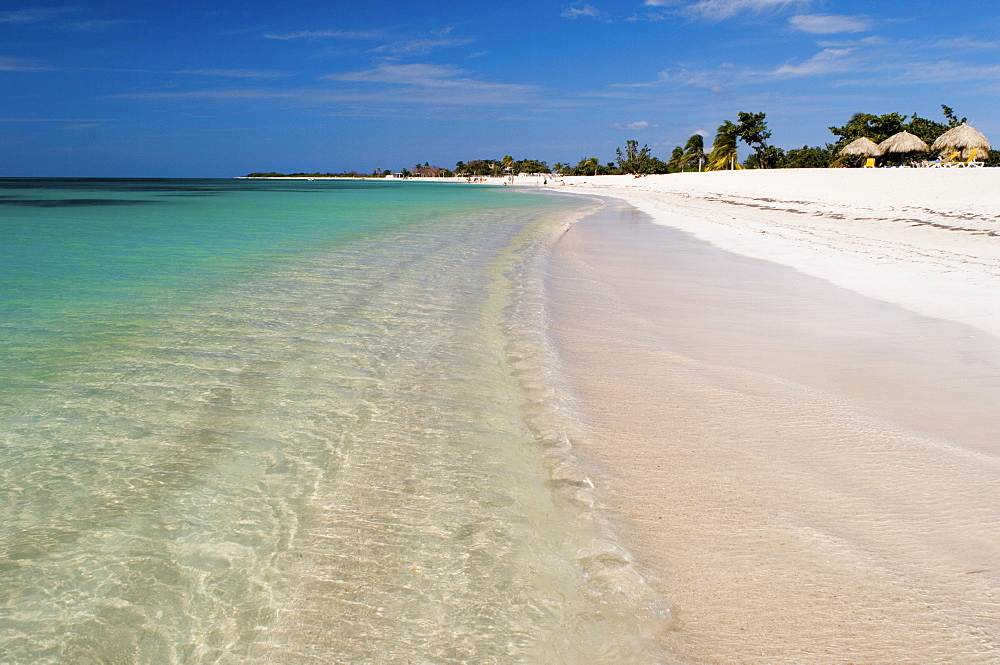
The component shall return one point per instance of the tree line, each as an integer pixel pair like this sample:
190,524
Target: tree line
749,129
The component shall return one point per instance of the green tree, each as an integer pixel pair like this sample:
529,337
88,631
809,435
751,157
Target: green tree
676,162
478,167
656,165
949,115
530,166
771,158
724,153
875,127
808,157
507,163
633,160
880,127
694,151
588,166
752,130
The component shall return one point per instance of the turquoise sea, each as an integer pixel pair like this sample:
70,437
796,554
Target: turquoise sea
294,422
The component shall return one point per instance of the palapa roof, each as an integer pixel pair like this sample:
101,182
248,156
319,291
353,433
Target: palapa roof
960,137
862,147
903,142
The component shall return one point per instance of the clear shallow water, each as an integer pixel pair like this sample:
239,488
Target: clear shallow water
285,422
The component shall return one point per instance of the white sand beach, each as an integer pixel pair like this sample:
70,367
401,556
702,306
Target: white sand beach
792,378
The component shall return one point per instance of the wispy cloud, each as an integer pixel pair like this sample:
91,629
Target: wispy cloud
580,10
729,75
827,61
385,88
719,10
828,24
394,45
36,15
245,94
927,72
62,18
86,120
430,76
328,34
421,46
21,65
966,43
412,74
647,16
634,126
236,73
99,24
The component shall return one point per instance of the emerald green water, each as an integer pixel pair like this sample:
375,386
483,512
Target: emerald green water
284,422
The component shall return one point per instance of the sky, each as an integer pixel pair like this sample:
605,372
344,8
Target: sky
219,89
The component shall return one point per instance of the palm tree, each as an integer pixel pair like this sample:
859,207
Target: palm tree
694,150
676,163
724,153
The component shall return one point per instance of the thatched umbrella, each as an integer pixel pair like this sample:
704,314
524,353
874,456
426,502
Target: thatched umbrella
862,147
903,143
963,138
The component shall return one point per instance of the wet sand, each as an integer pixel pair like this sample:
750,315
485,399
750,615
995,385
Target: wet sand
808,474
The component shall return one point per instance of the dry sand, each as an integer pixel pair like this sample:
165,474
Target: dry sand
792,381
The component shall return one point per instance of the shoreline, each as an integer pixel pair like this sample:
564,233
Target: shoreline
807,474
925,239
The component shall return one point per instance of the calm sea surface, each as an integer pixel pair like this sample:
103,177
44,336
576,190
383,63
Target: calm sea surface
293,422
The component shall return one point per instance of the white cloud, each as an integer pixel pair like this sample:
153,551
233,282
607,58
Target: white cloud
244,94
578,11
387,88
647,16
413,74
828,24
827,61
726,76
86,120
21,65
966,43
438,81
35,15
327,34
946,71
236,73
634,126
58,17
718,10
421,46
682,75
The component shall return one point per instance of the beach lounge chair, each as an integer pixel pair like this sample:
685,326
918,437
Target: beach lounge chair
970,162
940,162
870,163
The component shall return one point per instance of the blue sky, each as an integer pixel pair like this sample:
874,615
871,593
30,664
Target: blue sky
226,88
